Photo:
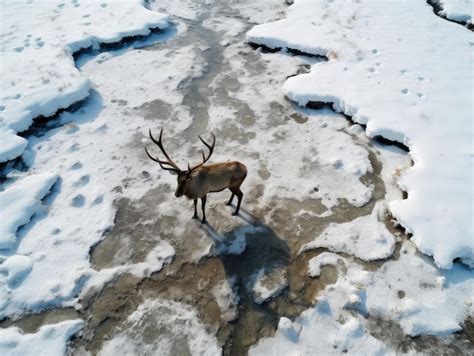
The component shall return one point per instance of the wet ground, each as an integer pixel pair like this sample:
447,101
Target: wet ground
271,228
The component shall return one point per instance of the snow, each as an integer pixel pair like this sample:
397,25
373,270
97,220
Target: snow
162,327
84,151
264,285
301,336
20,202
48,340
15,268
366,237
433,302
38,72
380,74
457,10
323,259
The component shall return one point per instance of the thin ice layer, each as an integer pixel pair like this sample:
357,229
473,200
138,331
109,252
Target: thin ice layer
407,74
38,72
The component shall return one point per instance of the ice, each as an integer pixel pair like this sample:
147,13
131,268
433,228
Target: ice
366,237
162,327
380,74
38,72
20,202
457,10
48,340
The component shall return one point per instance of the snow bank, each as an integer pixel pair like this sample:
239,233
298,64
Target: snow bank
50,339
457,10
366,237
162,327
407,74
20,202
38,72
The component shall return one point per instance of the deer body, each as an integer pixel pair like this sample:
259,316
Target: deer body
196,182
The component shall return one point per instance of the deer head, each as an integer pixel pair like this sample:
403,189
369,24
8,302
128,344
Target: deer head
186,178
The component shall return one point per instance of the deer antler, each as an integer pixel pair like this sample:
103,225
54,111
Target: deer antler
168,165
204,158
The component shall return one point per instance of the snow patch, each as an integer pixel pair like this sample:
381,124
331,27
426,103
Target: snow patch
267,284
323,259
162,327
396,52
366,237
49,339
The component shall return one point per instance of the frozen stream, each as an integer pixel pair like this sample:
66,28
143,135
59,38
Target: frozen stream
228,283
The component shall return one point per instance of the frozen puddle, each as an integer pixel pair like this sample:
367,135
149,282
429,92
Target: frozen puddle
146,278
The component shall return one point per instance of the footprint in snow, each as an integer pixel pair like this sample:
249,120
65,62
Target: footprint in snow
19,49
98,200
404,91
76,166
78,201
16,268
82,181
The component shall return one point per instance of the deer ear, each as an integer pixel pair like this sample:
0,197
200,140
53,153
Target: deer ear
175,173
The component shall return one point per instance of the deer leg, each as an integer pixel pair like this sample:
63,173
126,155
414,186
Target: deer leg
203,201
239,194
195,216
231,198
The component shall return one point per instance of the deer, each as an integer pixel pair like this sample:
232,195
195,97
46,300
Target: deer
200,179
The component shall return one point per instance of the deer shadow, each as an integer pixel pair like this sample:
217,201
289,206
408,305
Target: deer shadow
246,251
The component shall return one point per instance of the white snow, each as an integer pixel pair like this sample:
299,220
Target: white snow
38,40
366,237
435,302
48,340
388,69
20,202
323,259
15,268
162,327
457,10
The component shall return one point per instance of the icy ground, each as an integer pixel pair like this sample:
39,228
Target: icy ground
110,261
